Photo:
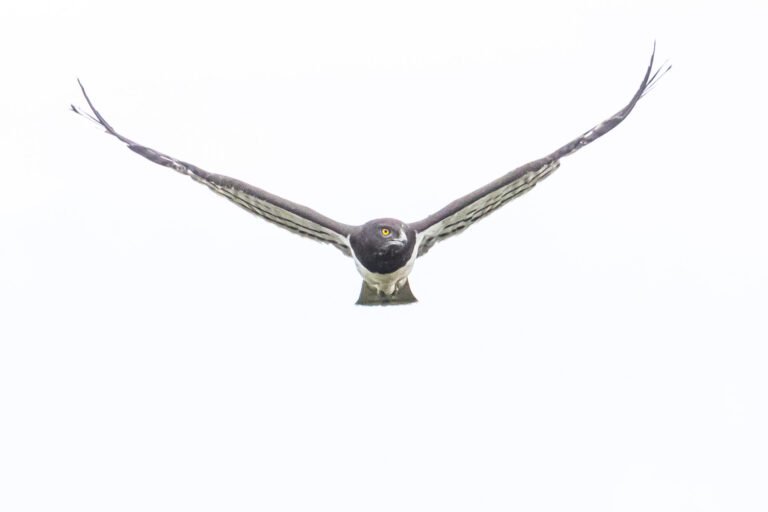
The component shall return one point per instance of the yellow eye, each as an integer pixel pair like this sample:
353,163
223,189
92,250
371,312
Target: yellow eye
385,232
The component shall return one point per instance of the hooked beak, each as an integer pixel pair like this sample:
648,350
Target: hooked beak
401,239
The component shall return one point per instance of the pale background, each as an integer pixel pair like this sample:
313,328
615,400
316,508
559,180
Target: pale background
597,345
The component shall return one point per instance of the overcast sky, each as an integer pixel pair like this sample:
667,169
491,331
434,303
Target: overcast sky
598,344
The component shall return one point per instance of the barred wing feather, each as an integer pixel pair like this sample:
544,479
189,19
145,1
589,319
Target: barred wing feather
465,211
277,210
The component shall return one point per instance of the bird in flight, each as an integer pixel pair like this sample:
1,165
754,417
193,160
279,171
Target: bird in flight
384,250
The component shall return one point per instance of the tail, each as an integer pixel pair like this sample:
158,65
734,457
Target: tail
370,297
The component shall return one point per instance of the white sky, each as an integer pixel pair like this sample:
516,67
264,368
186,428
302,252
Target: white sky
597,345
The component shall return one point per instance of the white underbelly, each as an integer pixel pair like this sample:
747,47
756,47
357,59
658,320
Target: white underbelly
386,283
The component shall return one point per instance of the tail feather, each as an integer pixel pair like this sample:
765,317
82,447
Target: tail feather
370,297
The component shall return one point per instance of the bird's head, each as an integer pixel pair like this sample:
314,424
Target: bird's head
383,245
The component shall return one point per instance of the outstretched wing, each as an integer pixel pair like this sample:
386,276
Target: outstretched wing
463,212
286,214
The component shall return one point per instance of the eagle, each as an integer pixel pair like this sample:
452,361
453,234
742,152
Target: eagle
384,250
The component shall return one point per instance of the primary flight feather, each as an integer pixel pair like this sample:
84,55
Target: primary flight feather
384,250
